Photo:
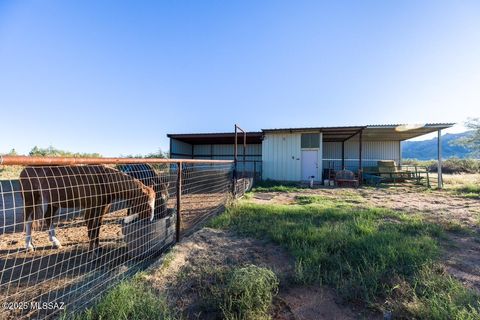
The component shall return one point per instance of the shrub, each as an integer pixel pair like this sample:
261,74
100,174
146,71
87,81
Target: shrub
455,165
452,165
249,292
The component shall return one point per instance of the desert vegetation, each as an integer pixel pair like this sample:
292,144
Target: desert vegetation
368,258
449,166
382,258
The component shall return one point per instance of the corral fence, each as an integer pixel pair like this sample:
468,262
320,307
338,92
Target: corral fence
70,228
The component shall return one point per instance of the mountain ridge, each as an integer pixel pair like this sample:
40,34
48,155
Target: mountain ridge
427,149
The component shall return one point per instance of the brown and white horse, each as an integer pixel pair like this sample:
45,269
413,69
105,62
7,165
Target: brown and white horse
92,188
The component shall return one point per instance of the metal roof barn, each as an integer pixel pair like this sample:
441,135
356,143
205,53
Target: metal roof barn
298,154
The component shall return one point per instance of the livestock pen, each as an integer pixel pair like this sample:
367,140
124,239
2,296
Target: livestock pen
70,228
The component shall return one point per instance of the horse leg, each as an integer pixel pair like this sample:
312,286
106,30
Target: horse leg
89,220
49,214
98,223
94,219
28,237
31,203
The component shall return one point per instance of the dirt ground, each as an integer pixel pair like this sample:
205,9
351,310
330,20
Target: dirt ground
182,278
70,273
461,250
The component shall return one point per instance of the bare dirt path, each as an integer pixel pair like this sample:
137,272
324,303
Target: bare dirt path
192,266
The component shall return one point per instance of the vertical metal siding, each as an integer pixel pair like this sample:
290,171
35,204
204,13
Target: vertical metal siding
382,150
281,157
183,150
226,151
371,153
320,158
332,150
201,150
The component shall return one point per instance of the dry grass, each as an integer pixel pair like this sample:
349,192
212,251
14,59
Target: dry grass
466,185
454,180
10,172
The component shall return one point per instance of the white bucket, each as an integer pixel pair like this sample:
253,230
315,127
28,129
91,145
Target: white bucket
332,183
326,182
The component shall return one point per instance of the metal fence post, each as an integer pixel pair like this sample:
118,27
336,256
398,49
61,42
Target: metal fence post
179,200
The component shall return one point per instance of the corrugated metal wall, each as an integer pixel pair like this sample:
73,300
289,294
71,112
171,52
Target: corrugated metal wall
180,149
225,152
280,154
372,151
281,157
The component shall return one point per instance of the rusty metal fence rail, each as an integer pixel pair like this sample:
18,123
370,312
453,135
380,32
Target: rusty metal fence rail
70,228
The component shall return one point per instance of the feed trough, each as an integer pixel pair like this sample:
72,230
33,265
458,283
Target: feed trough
145,237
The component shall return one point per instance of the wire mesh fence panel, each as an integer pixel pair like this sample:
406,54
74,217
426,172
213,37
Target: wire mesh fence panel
205,190
68,233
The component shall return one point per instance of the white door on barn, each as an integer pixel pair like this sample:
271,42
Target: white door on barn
309,165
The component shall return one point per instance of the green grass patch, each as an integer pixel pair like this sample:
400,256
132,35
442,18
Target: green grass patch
348,199
248,293
277,186
468,191
361,252
242,292
130,300
439,296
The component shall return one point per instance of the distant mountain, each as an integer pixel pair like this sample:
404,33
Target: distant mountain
427,149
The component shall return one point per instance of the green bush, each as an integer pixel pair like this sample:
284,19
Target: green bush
249,292
452,165
455,165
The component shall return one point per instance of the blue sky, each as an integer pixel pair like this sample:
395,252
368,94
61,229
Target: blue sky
114,76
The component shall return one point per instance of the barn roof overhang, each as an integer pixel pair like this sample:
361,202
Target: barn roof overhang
389,132
400,132
217,138
330,134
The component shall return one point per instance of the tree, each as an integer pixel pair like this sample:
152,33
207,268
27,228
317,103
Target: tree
472,141
158,154
53,152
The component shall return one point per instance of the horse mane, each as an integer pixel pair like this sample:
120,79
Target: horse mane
125,178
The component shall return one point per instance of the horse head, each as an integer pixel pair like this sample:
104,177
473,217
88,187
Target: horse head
150,192
144,204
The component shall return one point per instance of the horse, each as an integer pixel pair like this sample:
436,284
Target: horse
147,175
92,188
